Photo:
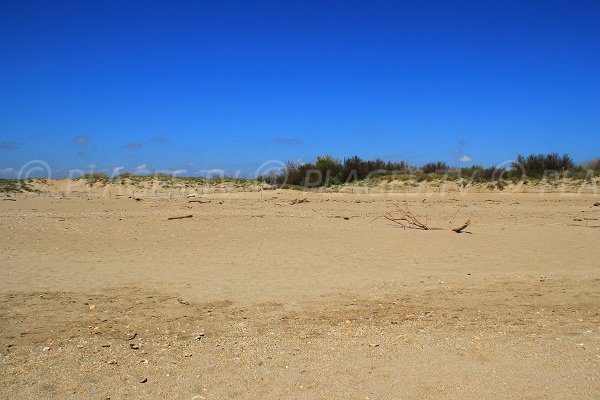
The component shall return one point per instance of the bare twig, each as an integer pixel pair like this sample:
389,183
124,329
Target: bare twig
457,211
403,216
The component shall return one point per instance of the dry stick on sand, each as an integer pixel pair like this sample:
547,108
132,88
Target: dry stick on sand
403,217
462,227
299,201
182,217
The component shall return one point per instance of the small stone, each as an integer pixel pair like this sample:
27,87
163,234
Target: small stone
93,307
80,346
144,380
46,348
428,314
134,346
373,345
349,322
112,362
409,317
105,345
144,361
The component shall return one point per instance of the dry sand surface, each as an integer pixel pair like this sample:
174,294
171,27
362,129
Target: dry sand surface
262,299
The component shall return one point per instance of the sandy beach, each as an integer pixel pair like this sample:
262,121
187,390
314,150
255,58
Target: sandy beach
311,200
255,297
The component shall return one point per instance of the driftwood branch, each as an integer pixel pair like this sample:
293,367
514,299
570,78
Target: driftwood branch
462,227
182,217
405,218
299,201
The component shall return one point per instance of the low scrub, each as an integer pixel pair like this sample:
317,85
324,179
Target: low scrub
15,186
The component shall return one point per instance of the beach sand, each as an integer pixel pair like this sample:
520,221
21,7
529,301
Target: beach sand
257,298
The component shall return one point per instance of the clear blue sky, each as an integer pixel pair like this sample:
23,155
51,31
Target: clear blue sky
221,84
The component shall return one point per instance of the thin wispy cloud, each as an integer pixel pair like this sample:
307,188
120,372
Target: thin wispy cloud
9,146
133,146
142,169
213,172
465,159
283,141
81,140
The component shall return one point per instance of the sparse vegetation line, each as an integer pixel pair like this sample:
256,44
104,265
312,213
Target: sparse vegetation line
328,172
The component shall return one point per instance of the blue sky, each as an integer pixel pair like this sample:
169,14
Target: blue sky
220,84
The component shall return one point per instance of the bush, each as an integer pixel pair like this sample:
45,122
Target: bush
538,164
330,171
433,167
594,165
477,173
